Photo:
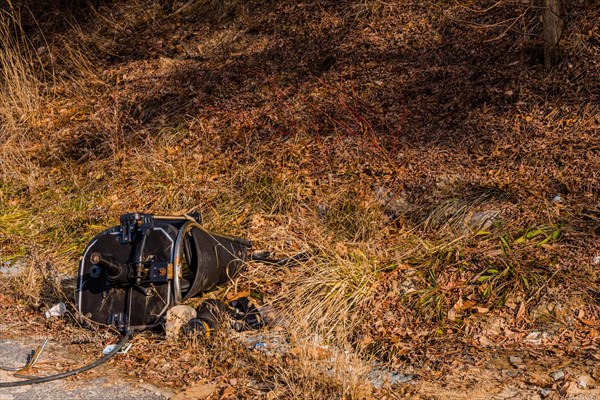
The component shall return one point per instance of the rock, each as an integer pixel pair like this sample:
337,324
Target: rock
322,210
271,316
380,377
536,337
481,220
12,268
397,378
545,393
393,202
596,260
586,382
557,375
516,362
551,312
177,317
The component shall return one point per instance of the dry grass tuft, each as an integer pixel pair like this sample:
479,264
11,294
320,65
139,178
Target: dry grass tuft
21,98
325,294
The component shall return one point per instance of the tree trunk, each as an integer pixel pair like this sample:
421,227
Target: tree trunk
553,26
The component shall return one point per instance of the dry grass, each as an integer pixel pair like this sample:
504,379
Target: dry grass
323,298
21,99
424,171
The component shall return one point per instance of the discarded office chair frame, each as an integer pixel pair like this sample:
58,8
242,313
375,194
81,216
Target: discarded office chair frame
131,274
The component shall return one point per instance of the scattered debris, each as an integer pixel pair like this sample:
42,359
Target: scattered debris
270,343
57,310
246,315
111,347
209,315
259,346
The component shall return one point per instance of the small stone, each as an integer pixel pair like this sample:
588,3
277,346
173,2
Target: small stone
516,361
482,220
271,316
586,382
322,210
397,378
545,393
557,375
177,317
550,312
596,260
536,337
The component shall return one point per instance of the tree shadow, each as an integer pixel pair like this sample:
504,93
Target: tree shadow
419,78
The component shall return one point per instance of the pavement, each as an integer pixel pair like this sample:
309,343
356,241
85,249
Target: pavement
92,386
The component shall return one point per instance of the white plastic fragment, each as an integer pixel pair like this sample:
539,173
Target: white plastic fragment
557,199
56,310
110,348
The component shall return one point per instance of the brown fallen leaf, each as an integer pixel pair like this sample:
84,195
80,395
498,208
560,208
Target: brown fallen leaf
521,311
228,393
589,322
196,392
238,295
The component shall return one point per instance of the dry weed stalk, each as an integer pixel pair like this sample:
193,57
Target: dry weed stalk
21,100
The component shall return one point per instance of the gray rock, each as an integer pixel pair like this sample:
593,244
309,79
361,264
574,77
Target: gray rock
481,220
393,202
177,317
536,337
380,377
516,361
557,375
12,268
545,393
586,382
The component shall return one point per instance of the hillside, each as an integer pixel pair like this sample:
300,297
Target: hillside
450,182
